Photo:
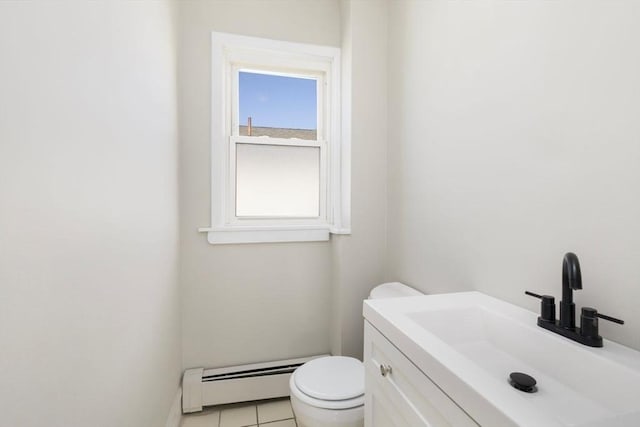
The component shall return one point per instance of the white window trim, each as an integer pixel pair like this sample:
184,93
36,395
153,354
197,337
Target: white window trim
228,50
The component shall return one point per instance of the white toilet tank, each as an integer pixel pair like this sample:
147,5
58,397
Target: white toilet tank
393,290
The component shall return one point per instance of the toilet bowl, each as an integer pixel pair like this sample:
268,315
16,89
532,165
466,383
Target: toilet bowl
329,391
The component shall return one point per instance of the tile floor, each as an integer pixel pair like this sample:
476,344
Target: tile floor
267,413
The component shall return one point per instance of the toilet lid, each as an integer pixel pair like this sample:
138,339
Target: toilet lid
331,378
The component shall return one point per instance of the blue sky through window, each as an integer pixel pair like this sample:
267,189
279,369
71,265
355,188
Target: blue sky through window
277,101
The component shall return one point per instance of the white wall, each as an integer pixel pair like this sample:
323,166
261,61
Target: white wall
359,259
249,303
244,303
515,138
89,303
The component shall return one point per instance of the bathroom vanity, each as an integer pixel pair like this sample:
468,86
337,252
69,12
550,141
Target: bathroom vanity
399,394
446,360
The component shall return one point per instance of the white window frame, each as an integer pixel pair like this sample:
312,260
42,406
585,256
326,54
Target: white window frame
233,53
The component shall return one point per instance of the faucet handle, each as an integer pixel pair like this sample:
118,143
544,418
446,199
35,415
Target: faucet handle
589,323
547,307
531,294
590,312
610,319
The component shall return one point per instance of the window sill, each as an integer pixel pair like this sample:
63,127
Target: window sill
236,235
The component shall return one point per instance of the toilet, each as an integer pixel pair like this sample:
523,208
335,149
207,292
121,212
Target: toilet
329,391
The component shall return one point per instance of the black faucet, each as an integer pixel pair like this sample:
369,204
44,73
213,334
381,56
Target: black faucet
571,279
587,333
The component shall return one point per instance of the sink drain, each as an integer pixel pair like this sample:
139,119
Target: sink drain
523,382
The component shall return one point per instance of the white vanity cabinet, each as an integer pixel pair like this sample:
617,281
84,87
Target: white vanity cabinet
397,393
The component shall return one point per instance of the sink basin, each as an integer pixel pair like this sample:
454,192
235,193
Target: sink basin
468,343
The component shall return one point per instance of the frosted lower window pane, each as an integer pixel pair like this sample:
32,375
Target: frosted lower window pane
277,180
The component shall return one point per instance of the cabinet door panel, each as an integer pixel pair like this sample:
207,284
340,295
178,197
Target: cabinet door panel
380,411
413,396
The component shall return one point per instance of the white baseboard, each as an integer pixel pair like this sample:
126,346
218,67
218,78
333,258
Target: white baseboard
175,414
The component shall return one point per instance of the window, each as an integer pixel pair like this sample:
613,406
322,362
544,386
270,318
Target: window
279,170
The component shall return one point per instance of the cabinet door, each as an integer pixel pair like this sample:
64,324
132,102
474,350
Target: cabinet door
379,412
403,396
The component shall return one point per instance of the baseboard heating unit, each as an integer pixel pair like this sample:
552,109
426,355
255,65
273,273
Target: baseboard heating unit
205,387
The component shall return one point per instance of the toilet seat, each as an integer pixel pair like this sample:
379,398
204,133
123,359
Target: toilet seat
331,378
333,382
324,404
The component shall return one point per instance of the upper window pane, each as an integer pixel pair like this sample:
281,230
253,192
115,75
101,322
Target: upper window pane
277,106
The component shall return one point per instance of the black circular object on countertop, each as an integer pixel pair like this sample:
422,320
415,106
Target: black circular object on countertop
522,382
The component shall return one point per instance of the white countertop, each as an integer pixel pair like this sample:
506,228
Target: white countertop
469,342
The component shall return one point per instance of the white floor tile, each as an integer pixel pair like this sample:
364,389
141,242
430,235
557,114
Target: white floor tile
201,419
274,410
239,416
284,423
